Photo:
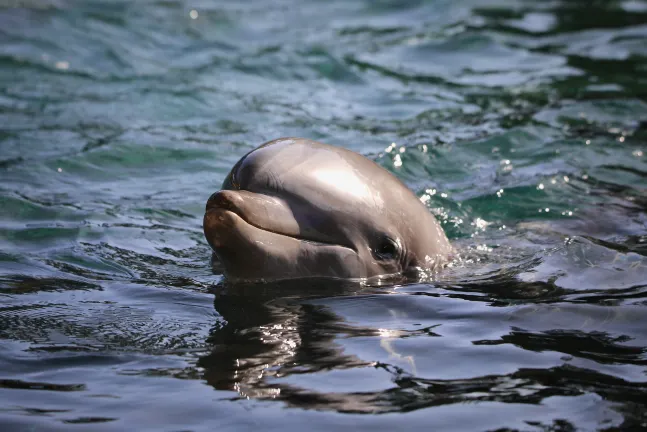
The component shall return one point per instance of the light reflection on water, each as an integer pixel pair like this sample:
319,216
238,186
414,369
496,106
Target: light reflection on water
522,127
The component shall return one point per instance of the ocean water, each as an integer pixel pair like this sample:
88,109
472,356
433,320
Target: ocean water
522,125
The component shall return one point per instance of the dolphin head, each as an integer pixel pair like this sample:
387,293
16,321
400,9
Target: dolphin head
295,208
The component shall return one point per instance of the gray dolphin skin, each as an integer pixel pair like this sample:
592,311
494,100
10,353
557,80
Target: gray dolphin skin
295,208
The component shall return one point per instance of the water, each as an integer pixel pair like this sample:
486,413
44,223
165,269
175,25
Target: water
522,125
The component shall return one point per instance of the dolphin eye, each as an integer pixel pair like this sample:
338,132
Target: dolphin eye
387,249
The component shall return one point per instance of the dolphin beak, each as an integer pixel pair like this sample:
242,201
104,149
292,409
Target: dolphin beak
225,200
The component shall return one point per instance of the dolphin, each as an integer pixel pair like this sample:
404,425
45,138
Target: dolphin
295,208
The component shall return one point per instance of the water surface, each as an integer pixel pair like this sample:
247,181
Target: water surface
522,125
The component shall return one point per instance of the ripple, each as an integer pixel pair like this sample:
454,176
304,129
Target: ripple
521,126
17,384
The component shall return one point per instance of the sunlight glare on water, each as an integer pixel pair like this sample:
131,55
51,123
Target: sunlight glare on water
521,125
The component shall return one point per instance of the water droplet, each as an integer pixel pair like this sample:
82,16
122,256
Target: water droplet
541,186
193,14
480,223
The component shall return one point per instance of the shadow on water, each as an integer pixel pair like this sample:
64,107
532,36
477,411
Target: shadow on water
522,126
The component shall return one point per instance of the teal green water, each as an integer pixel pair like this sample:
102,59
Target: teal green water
522,125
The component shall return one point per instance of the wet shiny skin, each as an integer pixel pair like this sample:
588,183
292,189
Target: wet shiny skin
521,125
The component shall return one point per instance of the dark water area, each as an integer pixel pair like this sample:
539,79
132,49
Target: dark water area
522,125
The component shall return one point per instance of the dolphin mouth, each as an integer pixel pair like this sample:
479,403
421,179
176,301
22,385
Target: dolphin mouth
252,253
220,201
226,201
